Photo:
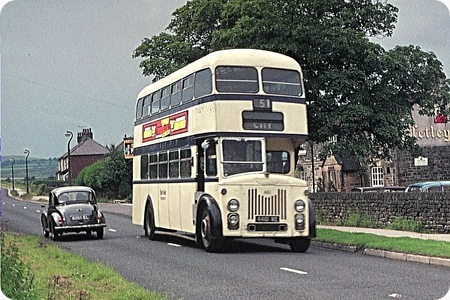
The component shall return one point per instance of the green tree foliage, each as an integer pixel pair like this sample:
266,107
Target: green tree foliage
109,177
356,90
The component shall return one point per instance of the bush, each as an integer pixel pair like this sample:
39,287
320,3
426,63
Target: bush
405,224
358,220
16,278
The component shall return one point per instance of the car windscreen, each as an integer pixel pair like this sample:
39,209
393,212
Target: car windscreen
76,196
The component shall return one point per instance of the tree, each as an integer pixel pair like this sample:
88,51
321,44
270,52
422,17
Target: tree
110,177
358,93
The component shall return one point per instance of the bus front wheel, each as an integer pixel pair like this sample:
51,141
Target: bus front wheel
149,227
208,241
300,244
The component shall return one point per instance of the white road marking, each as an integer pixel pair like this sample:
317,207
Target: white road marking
38,211
112,230
294,271
395,295
174,245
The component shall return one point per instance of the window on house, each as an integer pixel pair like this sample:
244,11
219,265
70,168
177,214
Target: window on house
377,176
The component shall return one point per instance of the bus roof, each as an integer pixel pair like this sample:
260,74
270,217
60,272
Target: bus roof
230,57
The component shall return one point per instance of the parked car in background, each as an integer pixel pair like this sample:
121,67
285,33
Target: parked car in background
429,186
378,189
72,209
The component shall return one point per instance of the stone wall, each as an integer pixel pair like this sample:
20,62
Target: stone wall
432,210
437,168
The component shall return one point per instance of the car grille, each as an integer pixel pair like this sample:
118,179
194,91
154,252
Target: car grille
261,204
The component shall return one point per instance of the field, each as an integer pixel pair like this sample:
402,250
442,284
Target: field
38,168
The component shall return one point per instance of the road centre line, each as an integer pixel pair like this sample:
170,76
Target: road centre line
294,271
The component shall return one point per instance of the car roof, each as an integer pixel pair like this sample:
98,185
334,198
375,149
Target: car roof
378,188
429,183
68,189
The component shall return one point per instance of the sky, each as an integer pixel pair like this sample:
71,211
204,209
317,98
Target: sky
66,65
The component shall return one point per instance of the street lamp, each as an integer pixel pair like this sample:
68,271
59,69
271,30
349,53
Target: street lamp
69,134
12,172
27,152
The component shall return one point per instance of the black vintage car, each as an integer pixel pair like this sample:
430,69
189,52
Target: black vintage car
72,209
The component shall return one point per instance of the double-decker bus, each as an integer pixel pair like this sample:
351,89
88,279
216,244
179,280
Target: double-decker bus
215,149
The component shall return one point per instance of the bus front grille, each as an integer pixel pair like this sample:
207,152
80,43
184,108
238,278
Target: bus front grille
267,203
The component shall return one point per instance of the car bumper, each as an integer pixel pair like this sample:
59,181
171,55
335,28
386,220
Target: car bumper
78,228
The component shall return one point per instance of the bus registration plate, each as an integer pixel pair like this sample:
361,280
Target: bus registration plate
268,219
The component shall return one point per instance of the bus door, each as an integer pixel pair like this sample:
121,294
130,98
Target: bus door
163,205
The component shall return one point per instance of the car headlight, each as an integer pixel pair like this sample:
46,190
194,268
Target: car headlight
233,205
299,205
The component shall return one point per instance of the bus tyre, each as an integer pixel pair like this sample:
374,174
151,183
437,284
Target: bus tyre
300,244
209,243
149,226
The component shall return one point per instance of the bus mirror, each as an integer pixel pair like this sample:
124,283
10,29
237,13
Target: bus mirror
205,144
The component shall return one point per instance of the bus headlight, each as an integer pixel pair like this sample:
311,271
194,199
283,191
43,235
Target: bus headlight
300,221
233,221
233,205
299,205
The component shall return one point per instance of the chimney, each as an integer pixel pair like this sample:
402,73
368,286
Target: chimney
84,135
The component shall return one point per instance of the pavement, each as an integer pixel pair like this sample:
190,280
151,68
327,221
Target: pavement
119,207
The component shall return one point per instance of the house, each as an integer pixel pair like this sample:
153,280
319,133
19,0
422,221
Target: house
343,173
83,154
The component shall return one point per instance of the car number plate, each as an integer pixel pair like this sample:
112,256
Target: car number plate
269,219
79,217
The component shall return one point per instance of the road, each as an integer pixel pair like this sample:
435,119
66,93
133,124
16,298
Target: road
256,269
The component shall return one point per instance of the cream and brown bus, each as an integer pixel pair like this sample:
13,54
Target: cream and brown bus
215,148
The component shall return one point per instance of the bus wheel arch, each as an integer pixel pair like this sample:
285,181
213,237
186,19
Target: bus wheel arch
209,225
149,220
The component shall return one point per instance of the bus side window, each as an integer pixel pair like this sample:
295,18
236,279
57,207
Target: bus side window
188,88
139,108
144,166
176,94
155,102
174,164
203,83
165,98
162,165
211,160
153,166
185,163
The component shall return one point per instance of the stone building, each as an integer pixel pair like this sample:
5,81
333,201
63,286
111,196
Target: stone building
83,154
343,173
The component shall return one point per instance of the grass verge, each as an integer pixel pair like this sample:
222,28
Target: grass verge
58,274
373,241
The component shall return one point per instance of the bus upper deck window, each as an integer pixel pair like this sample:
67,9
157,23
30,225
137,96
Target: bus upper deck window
236,79
187,88
146,107
139,108
175,94
165,98
155,102
281,82
203,83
